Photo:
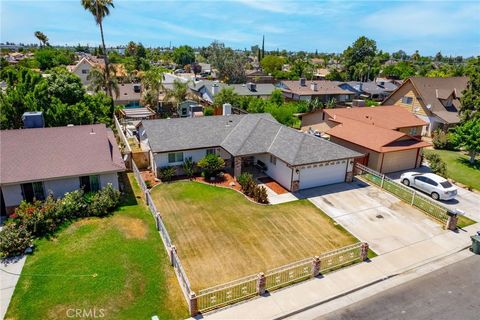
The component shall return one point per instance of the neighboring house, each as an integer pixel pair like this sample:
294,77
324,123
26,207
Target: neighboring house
190,108
129,96
37,162
294,159
377,91
323,90
258,76
434,100
82,69
207,89
388,135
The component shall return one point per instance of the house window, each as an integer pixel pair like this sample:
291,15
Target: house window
273,160
90,183
407,100
84,71
412,131
211,151
33,191
175,157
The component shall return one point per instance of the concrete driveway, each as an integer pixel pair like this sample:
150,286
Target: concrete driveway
373,215
467,201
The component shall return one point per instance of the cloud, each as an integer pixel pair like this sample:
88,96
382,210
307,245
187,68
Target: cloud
312,8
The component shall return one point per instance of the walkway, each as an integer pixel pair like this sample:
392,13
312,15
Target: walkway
9,271
308,294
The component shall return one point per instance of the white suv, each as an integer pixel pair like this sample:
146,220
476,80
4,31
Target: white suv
437,187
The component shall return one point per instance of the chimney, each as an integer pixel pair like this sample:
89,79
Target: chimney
302,82
360,87
226,109
313,86
215,89
137,88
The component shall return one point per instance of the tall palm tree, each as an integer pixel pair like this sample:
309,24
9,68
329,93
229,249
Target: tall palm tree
100,9
100,82
152,83
42,38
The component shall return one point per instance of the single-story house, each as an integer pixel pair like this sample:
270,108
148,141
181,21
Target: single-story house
434,100
388,136
294,159
207,89
258,76
41,161
323,90
372,90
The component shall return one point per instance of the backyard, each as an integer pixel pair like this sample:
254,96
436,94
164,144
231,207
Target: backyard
459,169
221,236
116,264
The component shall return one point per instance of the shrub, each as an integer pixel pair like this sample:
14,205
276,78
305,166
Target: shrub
189,167
437,165
260,194
211,164
208,112
443,140
243,179
73,205
39,218
14,239
167,173
148,184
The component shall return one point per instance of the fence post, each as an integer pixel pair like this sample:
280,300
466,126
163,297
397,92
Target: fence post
383,179
316,266
193,304
261,283
364,251
452,222
413,197
171,253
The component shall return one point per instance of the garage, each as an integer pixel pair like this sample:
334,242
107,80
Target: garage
322,174
399,160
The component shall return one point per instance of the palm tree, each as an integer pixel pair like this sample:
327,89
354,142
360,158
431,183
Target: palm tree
42,38
152,83
100,82
178,93
100,9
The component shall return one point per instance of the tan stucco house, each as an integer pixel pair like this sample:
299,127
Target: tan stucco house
389,136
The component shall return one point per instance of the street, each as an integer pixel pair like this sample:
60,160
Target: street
449,293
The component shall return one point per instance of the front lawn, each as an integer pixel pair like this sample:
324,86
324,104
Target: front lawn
221,236
116,264
459,168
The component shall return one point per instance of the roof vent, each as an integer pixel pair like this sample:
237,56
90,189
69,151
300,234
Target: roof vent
92,132
302,82
314,86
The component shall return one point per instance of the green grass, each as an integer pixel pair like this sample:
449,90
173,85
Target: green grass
464,222
117,263
221,236
459,168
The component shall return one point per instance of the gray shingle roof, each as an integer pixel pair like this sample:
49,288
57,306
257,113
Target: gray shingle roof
242,135
262,89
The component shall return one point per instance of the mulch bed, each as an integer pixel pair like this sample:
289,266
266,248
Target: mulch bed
148,175
225,182
272,184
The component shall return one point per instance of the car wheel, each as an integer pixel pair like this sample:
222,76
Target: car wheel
435,196
406,182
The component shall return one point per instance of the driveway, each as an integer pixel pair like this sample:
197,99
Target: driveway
10,270
373,215
467,201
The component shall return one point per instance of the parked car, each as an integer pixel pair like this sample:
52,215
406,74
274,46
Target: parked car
437,187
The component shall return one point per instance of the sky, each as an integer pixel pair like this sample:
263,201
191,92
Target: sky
452,27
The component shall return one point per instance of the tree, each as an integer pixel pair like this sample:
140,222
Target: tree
189,167
211,164
100,82
230,64
363,50
226,95
196,69
42,38
48,57
178,93
438,56
470,99
416,56
400,55
277,97
183,55
271,63
152,83
437,165
100,9
467,136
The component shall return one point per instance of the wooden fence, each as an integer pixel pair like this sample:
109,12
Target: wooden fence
414,198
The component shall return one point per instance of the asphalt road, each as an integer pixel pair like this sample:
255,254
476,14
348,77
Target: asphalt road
450,293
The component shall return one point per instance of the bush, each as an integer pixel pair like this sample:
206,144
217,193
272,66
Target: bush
189,167
208,112
251,189
104,201
167,173
73,205
243,179
443,140
211,165
260,194
14,239
437,165
39,218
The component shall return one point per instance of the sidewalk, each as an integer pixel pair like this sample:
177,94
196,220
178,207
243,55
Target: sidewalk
9,275
307,294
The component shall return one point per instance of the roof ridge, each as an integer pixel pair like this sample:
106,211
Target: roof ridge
228,135
250,133
274,138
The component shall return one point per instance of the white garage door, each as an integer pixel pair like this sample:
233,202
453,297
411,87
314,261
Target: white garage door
320,175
